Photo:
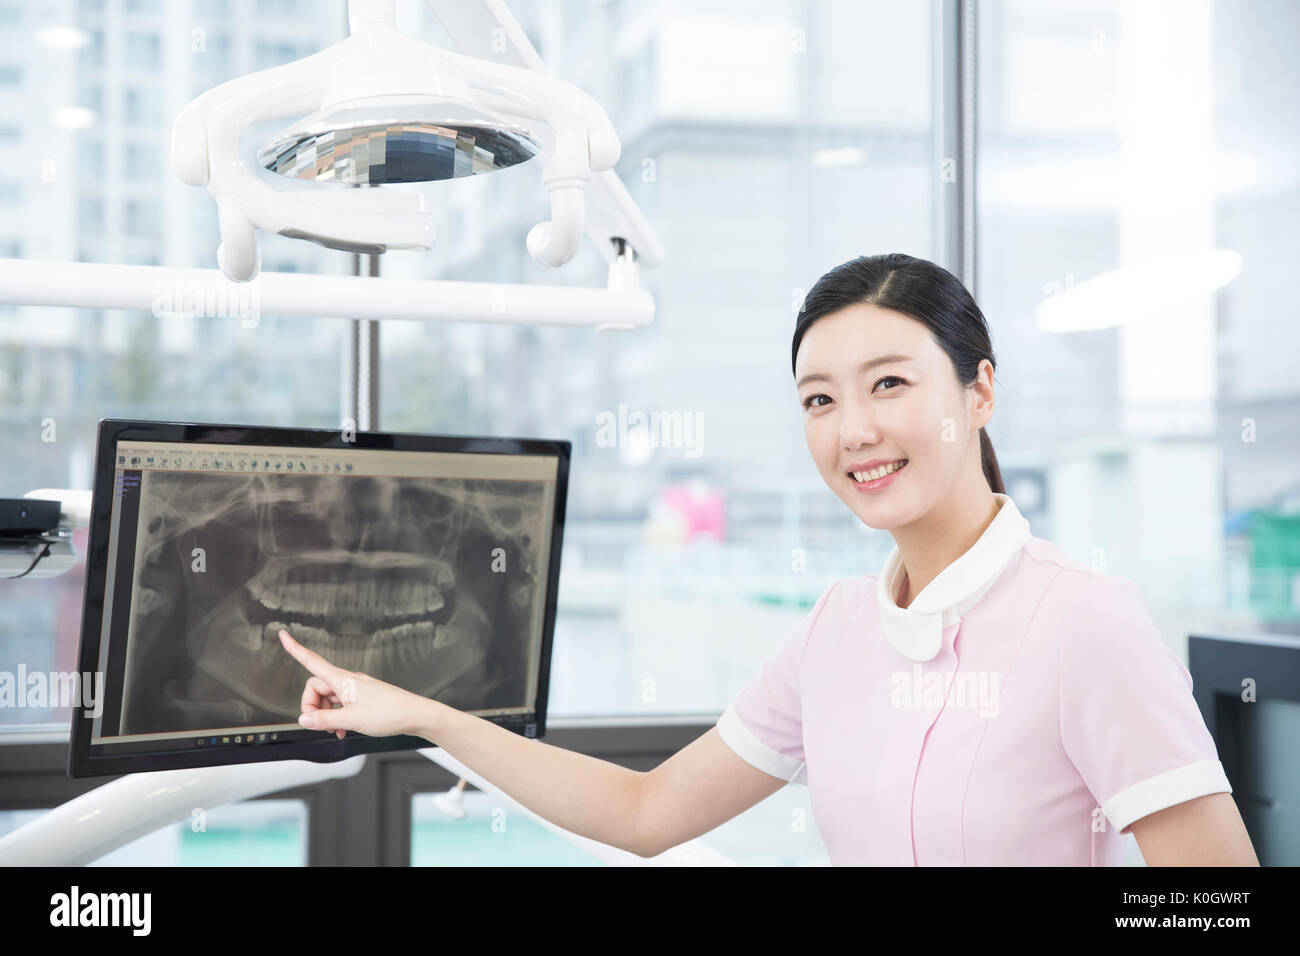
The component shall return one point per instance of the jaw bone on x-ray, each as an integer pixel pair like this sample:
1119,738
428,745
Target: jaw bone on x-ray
399,578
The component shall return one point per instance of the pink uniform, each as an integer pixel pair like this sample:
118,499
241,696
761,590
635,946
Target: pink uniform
1023,711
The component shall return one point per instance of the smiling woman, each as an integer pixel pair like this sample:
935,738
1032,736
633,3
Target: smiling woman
1097,736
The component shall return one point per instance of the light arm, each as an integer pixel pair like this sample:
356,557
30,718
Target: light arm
1205,831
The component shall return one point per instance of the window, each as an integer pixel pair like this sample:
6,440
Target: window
143,218
284,8
271,53
214,9
213,57
90,160
1138,298
143,161
91,96
143,106
143,51
92,54
91,214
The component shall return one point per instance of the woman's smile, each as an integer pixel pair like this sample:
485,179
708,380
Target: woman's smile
875,484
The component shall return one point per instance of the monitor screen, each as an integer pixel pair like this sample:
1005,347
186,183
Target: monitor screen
430,562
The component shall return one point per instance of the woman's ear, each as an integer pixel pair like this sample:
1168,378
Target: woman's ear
982,390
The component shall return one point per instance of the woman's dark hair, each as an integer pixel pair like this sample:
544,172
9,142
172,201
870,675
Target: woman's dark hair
928,293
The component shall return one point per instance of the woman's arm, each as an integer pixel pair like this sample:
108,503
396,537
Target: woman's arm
585,795
696,789
1205,831
693,791
700,787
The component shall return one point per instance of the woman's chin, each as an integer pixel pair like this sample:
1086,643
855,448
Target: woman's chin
879,523
879,514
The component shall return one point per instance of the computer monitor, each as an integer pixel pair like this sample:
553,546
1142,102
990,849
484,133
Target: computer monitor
427,561
1248,689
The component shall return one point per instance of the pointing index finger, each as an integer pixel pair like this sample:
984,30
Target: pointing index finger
309,658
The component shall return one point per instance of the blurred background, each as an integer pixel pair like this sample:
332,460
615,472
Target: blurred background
1148,416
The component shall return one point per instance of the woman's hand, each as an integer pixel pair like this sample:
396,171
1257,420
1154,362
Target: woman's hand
341,700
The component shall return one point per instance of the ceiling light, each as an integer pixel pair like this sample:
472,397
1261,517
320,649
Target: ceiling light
1124,295
73,117
62,38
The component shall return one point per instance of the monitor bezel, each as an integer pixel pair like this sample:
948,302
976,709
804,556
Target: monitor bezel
327,748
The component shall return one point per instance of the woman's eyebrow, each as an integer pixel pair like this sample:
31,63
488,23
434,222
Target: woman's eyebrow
865,366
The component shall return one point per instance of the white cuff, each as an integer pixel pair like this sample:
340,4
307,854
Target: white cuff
1165,790
753,751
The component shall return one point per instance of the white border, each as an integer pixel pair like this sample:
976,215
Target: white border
753,751
1165,790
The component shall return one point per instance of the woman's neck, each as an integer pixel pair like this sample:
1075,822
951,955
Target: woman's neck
928,545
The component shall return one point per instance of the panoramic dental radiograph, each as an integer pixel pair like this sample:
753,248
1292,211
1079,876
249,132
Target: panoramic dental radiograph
431,584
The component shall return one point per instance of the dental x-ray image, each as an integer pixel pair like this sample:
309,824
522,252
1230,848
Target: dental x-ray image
431,584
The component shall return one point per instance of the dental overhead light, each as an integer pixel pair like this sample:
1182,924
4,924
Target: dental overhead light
386,109
391,139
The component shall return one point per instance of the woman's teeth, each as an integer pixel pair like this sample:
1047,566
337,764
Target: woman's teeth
879,472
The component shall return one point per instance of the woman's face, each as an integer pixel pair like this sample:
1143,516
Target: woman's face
907,407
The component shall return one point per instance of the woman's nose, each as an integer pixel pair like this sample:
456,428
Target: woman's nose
858,425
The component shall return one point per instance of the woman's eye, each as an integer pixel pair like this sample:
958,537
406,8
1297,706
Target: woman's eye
808,402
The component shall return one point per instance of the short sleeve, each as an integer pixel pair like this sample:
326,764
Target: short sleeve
763,724
1129,722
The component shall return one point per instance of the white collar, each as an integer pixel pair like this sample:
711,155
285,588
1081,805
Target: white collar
917,630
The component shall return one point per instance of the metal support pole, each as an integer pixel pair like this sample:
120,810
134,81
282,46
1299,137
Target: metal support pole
361,362
955,99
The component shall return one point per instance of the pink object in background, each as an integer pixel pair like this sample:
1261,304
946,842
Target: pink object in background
703,509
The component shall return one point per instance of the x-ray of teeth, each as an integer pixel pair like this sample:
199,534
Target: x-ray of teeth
399,578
